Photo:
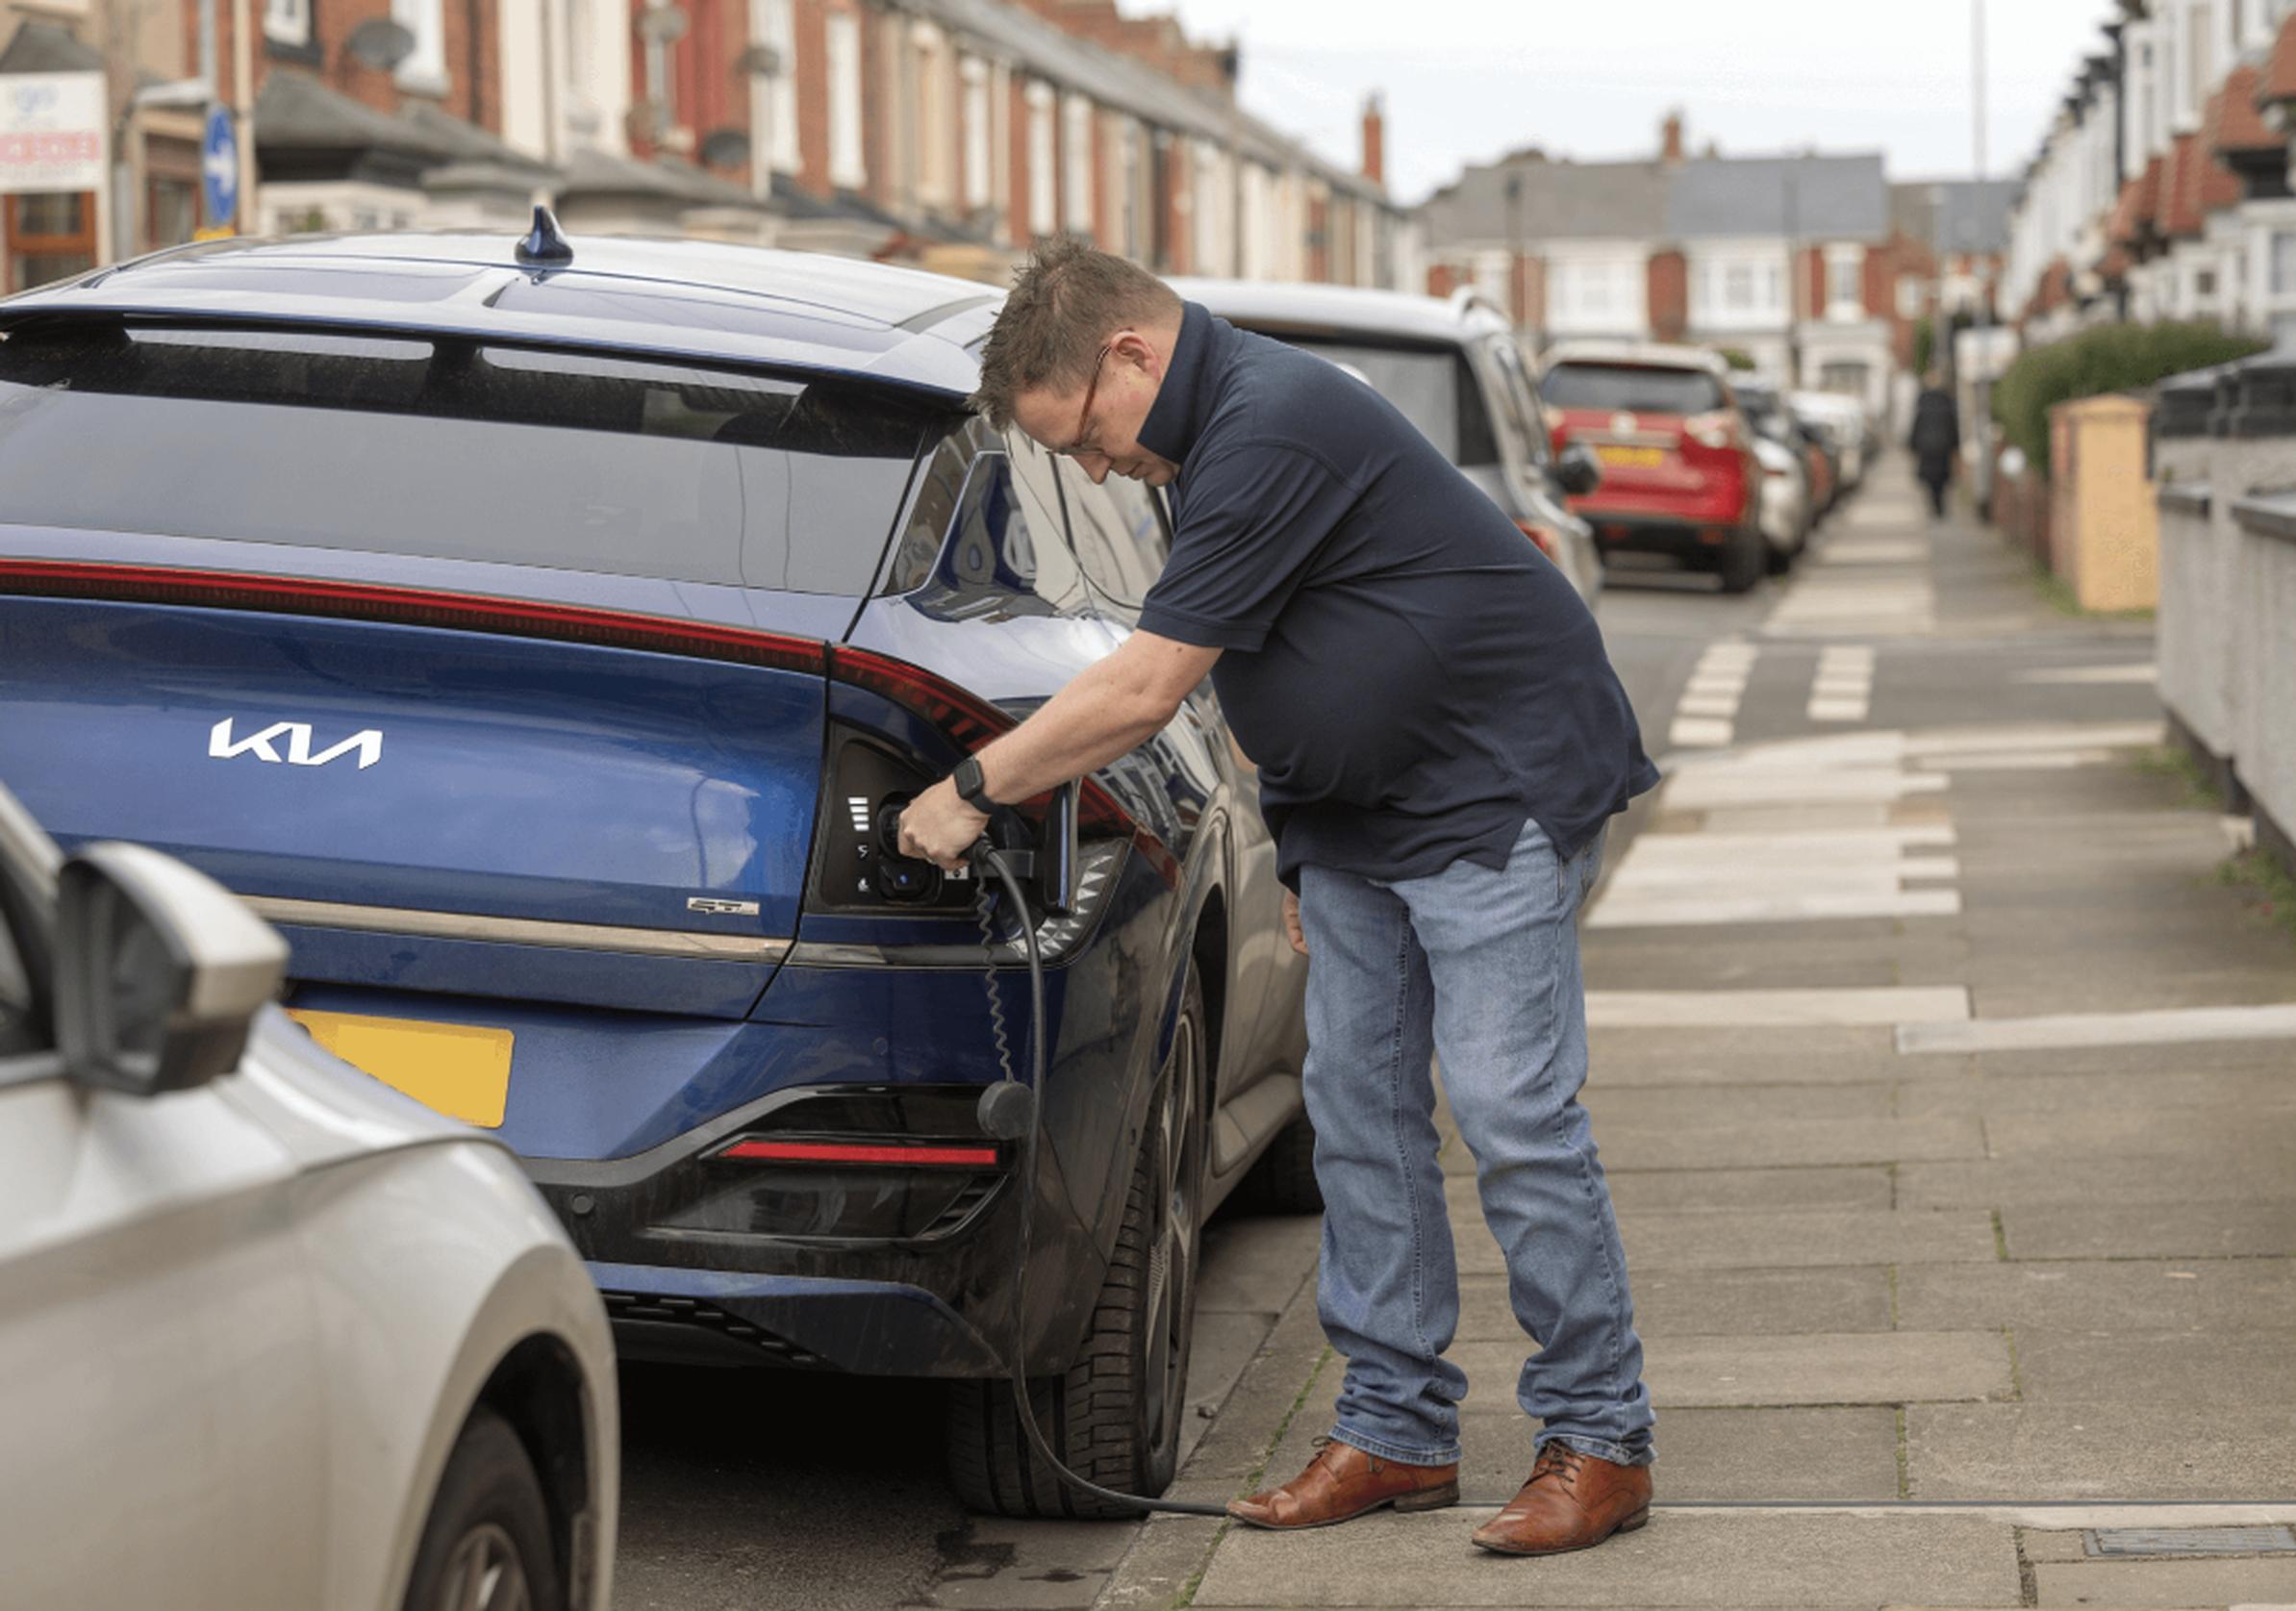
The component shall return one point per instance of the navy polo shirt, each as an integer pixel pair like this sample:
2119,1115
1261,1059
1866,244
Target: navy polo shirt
1412,677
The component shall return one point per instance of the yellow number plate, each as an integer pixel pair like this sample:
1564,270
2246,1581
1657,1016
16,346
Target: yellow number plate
462,1071
1640,458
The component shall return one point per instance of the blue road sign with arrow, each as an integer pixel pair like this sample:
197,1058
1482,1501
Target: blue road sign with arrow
219,167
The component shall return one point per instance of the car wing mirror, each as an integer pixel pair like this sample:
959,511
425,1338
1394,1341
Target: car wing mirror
1577,470
159,971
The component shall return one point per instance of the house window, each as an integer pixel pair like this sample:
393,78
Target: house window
1738,287
847,169
1044,194
1075,164
288,21
1910,296
934,152
171,212
50,236
773,120
2199,59
425,67
2283,263
1844,282
977,130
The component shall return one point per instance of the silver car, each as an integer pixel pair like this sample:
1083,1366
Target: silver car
1451,365
270,1334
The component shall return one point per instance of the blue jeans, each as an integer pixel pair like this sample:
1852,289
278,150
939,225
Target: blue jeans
1479,968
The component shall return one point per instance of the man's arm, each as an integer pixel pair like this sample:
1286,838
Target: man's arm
1109,709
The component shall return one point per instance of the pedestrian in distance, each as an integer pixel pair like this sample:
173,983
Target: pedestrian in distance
1935,441
1441,742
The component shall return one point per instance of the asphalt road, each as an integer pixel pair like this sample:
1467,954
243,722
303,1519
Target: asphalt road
764,1489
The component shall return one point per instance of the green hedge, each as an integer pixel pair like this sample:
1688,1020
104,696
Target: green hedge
2110,358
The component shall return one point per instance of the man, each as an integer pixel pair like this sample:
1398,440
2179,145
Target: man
1936,439
1441,742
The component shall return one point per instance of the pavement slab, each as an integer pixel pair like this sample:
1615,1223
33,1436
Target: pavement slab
2248,1229
2201,1447
1790,1143
2080,1182
1859,1186
2256,1582
1684,1558
2155,1367
2150,1295
1796,1239
1823,1455
1712,1303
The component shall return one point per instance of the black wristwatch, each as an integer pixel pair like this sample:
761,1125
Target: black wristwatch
971,786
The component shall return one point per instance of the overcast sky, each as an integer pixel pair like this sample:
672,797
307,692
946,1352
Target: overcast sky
1465,80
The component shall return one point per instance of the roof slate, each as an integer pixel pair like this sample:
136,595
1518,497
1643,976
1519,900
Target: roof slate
1844,197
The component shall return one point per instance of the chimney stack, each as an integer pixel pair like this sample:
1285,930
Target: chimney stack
1375,140
1669,147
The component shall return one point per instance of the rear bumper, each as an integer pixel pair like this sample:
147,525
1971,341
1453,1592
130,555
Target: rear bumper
710,1317
1692,542
862,1266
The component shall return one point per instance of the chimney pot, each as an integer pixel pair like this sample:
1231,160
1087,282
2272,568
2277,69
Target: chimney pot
1375,140
1669,147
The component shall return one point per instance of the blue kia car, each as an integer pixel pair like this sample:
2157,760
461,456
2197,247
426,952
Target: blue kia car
537,632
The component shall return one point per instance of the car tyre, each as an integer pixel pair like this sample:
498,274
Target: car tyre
486,1546
1283,1181
1114,1414
1744,559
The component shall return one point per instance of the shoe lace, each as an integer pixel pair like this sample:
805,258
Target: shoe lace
1559,1460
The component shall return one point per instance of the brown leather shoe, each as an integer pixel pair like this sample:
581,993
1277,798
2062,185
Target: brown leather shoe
1572,1501
1342,1482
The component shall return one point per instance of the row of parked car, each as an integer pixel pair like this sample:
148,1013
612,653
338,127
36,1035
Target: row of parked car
1607,452
452,686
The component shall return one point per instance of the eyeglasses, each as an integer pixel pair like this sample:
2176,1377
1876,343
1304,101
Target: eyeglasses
1078,446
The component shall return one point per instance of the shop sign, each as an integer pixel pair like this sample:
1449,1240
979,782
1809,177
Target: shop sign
52,132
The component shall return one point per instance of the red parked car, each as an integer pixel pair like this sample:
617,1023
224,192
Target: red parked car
1679,475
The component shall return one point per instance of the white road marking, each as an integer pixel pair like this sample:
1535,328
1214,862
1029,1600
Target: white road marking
1699,732
2043,760
2159,1026
1706,717
1874,550
2133,672
1623,910
1716,1009
2057,735
1692,792
1834,707
1822,605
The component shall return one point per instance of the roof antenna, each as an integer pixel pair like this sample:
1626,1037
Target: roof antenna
544,243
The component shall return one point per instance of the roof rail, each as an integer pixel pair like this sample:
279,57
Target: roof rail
1467,298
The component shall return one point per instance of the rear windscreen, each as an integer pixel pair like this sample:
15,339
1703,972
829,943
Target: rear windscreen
1631,388
1433,386
456,449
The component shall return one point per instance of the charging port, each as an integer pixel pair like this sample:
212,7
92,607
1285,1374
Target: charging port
900,879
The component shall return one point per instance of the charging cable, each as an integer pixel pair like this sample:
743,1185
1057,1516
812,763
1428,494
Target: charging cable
1011,1109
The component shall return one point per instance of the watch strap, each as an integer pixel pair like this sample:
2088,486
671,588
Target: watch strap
971,785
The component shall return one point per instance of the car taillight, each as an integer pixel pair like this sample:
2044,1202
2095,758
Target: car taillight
1717,430
972,722
1543,537
457,611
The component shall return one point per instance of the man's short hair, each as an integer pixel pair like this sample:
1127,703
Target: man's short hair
1068,298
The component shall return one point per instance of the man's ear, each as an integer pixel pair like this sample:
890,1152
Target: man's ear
1137,350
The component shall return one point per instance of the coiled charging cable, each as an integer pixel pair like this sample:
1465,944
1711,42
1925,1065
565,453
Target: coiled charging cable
1004,1101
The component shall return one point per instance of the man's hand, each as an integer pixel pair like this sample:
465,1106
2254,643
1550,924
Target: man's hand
1291,922
939,827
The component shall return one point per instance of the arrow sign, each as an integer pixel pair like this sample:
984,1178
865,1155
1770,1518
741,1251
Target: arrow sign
220,167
